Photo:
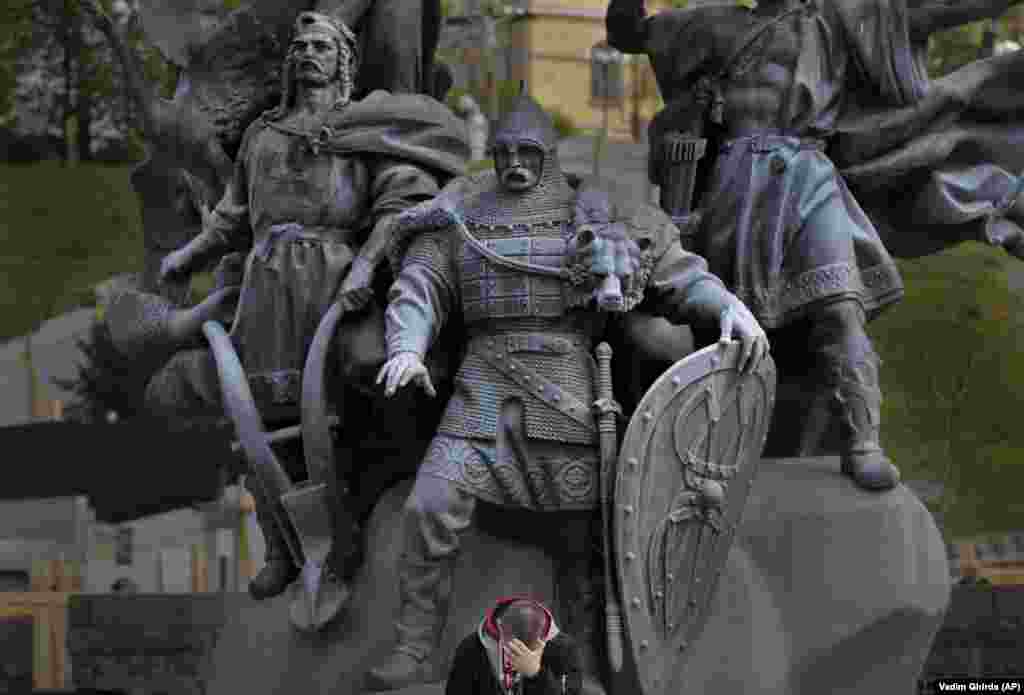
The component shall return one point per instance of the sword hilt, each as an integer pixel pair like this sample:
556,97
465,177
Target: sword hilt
603,352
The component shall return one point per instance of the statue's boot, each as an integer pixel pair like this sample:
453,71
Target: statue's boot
858,400
423,591
845,386
280,569
437,514
1007,230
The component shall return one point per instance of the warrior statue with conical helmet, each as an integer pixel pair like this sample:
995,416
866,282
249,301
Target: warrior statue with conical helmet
534,264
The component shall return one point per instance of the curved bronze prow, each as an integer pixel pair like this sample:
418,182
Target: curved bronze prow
317,442
303,512
241,408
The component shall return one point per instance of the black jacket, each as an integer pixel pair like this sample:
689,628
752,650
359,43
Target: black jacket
472,674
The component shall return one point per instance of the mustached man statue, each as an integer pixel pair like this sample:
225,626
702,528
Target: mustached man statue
520,254
317,181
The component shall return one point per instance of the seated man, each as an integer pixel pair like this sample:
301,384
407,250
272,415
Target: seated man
522,255
517,650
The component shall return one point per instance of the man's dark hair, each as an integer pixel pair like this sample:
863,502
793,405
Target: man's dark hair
524,620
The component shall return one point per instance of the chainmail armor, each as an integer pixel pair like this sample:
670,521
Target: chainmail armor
550,200
476,417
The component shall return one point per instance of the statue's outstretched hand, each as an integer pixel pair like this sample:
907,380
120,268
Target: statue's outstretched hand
736,322
403,368
174,266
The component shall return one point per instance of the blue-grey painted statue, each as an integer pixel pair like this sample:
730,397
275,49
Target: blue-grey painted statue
528,262
315,184
772,96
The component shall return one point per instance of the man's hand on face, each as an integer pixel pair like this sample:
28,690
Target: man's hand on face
523,659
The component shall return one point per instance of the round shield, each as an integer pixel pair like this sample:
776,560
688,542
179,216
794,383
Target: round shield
684,472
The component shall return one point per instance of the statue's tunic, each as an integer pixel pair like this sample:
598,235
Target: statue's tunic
519,429
765,189
302,213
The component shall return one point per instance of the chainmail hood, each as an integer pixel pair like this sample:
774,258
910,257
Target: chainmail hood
551,199
527,121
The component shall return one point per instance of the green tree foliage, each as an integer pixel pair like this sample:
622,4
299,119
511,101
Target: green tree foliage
105,382
57,70
952,49
15,39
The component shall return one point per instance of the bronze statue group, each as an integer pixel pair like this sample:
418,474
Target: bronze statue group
491,291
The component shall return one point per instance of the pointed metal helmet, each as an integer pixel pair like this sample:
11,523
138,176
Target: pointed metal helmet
526,121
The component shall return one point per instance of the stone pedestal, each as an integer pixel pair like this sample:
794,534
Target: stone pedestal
829,589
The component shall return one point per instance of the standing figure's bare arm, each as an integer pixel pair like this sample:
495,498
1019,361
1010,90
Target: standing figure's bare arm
930,16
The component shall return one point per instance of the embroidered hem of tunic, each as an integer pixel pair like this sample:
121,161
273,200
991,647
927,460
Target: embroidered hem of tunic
875,288
557,477
756,235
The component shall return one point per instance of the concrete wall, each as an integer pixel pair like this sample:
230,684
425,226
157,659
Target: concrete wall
36,532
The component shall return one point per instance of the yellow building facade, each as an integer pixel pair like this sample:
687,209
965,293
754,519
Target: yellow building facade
557,38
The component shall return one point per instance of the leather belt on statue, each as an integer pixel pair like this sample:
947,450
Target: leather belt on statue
543,389
548,343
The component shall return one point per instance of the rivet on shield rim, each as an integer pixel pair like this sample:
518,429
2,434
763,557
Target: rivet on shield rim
648,416
630,557
692,602
645,644
636,602
682,646
633,463
671,577
676,381
628,509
